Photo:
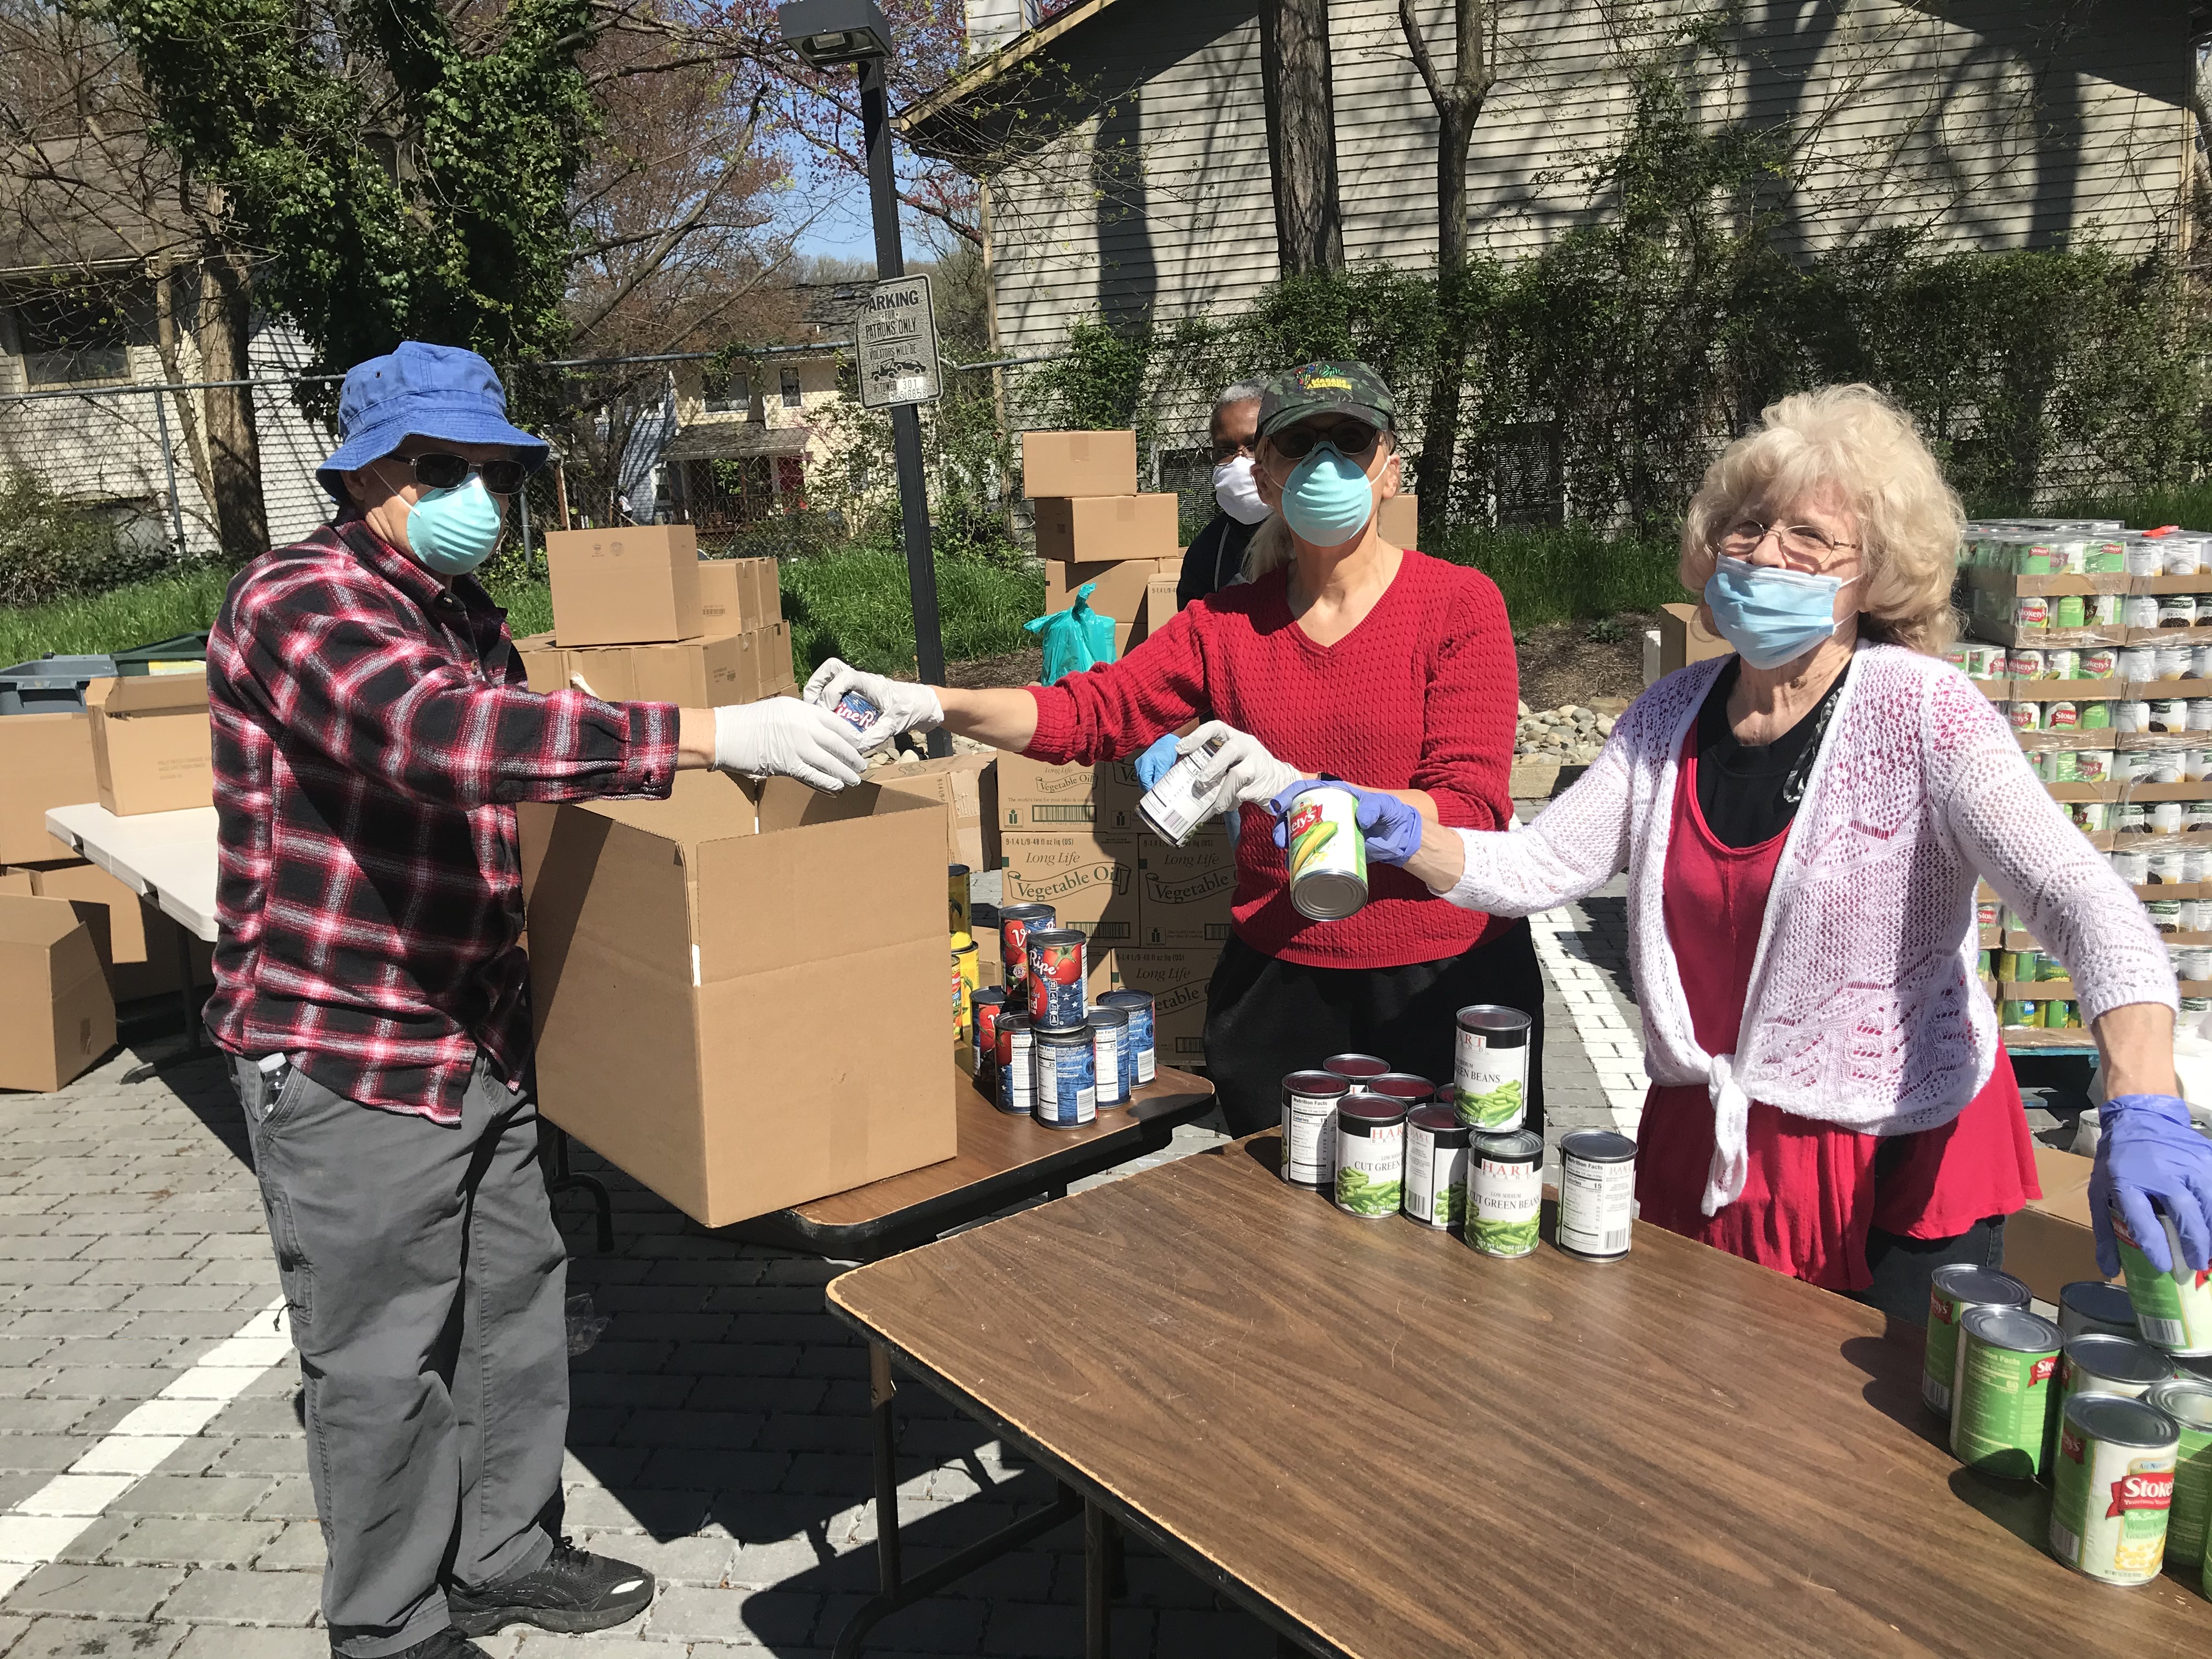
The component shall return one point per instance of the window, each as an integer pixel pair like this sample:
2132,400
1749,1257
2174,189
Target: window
78,334
728,394
790,380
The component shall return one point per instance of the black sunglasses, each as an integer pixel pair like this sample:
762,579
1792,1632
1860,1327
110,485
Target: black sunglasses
437,471
1353,439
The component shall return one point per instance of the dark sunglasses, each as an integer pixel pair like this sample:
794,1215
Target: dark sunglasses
441,471
1353,439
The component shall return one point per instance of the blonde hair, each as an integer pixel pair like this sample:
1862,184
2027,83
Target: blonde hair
1856,441
1273,545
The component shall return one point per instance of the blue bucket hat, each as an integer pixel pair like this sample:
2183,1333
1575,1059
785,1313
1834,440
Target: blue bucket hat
420,390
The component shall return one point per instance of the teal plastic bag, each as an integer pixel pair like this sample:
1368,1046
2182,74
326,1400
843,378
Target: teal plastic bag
1075,639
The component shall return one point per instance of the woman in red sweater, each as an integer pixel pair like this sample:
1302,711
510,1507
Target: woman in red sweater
1343,657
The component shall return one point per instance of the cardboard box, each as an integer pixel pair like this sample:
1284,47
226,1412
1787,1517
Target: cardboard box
1177,980
765,599
737,596
46,761
1684,640
701,673
55,1016
1090,881
1078,464
772,643
1399,523
636,585
1119,790
738,994
2048,1244
136,944
1183,893
149,743
1108,529
966,789
1121,584
1034,797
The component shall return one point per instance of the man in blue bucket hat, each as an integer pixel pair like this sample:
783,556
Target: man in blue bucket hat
372,733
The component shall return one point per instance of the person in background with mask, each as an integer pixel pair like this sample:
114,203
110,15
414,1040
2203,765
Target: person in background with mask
372,733
1342,657
1802,824
1216,554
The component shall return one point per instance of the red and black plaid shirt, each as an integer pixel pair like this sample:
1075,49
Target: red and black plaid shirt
372,731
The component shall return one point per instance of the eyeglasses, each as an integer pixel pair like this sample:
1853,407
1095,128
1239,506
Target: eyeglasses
1801,544
1353,439
438,470
1228,449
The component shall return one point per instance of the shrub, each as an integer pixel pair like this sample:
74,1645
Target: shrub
52,548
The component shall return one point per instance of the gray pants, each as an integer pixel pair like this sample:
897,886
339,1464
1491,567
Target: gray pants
426,1284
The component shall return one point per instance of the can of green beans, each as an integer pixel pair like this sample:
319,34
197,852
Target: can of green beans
1436,1167
1504,1192
1370,1154
2002,1401
1952,1292
2112,1488
1309,1103
2188,1401
1490,1068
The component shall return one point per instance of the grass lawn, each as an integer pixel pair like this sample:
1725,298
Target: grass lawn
116,621
1559,575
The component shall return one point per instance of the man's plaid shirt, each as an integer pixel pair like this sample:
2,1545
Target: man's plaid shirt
372,731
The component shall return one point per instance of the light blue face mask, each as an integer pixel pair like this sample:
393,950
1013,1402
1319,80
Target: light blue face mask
1769,615
453,531
1327,499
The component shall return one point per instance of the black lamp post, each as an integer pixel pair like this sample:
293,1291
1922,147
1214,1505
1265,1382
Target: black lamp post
826,33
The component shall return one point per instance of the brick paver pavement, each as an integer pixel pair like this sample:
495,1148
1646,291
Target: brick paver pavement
718,1434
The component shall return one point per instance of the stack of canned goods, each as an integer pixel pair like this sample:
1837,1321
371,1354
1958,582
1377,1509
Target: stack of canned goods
1054,1057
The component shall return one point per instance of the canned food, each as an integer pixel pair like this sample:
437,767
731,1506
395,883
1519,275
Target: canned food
2105,609
2067,611
2131,818
2112,1488
1138,1005
2089,815
1490,1066
2100,663
2133,868
1597,1190
2143,556
2166,869
2094,1362
2200,663
2169,714
2061,716
1985,913
956,900
2103,557
2196,765
2172,662
2043,764
2196,815
1371,1154
2196,915
2176,610
1057,959
2165,914
1327,855
966,971
2200,714
1356,1069
2173,1311
2002,1393
2191,1018
1953,1292
2092,765
2024,663
1436,1167
2130,715
2166,818
1111,1062
1309,1103
2178,556
2160,766
2031,610
2062,1016
1067,1079
2138,662
990,1003
1504,1192
1402,1086
2141,611
1015,921
2097,716
2193,962
857,711
2188,1401
1016,1092
2020,966
2091,1307
2020,1013
1175,807
2025,716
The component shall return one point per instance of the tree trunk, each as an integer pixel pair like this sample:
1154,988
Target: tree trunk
1432,470
1294,68
233,446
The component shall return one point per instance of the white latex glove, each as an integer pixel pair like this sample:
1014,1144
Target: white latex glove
1242,772
905,705
791,738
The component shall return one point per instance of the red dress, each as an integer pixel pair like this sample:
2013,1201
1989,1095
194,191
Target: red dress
1810,1197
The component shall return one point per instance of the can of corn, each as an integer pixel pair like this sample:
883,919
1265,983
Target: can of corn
2188,1401
2112,1488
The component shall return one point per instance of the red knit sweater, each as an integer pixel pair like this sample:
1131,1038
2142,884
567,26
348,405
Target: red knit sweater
1422,694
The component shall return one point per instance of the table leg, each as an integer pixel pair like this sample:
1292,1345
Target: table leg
553,1145
193,1049
882,1427
1098,1537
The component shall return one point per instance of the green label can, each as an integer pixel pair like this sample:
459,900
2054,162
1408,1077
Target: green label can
2188,1401
1436,1167
1490,1068
1951,1292
2007,1364
2112,1489
2091,1305
2093,1363
1370,1154
1326,852
1504,1192
2173,1311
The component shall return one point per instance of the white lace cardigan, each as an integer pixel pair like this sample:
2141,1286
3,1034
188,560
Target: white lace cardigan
1864,1007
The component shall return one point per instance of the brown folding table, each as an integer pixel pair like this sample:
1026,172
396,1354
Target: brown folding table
1383,1444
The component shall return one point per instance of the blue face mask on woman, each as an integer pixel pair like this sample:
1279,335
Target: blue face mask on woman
453,531
1327,499
1771,616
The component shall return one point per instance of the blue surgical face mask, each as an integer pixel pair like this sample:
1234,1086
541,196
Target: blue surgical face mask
453,531
1327,499
1769,615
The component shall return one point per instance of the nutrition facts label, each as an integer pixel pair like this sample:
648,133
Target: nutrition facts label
1594,1201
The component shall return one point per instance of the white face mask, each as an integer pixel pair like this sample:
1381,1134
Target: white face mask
1235,491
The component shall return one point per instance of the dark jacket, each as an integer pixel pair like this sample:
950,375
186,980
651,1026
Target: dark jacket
1216,555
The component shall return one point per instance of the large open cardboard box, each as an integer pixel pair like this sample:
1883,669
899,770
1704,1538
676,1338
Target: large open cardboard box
740,999
150,749
45,760
2049,1243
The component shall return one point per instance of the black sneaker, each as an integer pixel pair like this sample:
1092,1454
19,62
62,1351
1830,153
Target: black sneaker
573,1591
447,1644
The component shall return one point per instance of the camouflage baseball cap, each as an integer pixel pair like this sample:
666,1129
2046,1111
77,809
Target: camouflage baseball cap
1350,389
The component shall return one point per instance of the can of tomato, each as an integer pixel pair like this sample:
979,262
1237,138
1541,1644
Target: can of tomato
1016,922
1327,855
1055,978
1016,1093
990,1003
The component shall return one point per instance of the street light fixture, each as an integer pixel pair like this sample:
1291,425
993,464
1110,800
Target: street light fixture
825,34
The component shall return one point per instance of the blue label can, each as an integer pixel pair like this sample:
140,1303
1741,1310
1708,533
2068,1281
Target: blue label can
1067,1079
1138,1005
1110,1048
1058,963
856,711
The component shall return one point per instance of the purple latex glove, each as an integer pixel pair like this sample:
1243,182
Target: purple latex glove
2148,1156
1391,828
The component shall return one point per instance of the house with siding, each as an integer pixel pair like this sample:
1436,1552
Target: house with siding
1992,124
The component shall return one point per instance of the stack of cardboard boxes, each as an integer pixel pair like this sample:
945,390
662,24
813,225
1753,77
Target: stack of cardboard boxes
1093,526
639,617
